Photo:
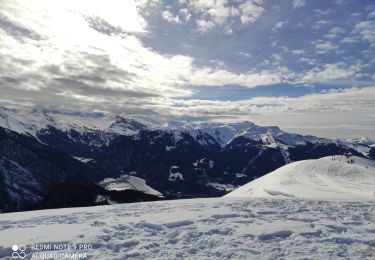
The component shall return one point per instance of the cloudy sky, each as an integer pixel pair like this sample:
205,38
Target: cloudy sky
305,65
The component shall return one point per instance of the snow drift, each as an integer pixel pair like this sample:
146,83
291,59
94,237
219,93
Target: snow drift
332,177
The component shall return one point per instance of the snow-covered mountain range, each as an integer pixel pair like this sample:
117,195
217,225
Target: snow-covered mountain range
174,159
35,122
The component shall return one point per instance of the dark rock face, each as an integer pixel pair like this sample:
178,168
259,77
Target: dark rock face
372,153
315,151
38,176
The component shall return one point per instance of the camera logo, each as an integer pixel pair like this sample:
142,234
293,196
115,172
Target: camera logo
18,251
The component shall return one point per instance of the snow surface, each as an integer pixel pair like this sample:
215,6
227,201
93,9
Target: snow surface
335,177
128,182
220,228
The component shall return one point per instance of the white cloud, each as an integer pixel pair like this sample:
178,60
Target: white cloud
298,52
277,26
319,24
245,55
335,32
371,15
321,13
184,12
209,14
276,59
350,100
366,31
330,72
108,68
210,77
250,11
299,3
349,39
169,17
309,61
324,47
204,25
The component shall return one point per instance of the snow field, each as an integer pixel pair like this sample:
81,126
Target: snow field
220,228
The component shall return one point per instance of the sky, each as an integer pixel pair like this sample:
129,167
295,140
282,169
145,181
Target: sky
307,66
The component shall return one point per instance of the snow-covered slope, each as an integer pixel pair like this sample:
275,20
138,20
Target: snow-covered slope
128,182
335,177
221,228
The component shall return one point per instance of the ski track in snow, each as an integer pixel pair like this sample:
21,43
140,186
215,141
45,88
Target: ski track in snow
220,228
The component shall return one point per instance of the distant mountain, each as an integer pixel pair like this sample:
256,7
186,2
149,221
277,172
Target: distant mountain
332,177
176,159
37,176
362,141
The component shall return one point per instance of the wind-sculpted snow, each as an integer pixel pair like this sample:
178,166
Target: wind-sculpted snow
223,228
329,177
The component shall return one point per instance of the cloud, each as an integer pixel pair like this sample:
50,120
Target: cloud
335,32
204,25
17,31
299,3
169,17
109,67
277,26
366,31
210,77
359,100
371,15
184,12
319,24
330,72
298,52
209,14
250,11
350,40
245,55
320,12
107,60
324,47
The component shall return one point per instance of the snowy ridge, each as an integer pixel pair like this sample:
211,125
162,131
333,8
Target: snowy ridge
30,122
335,177
224,133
